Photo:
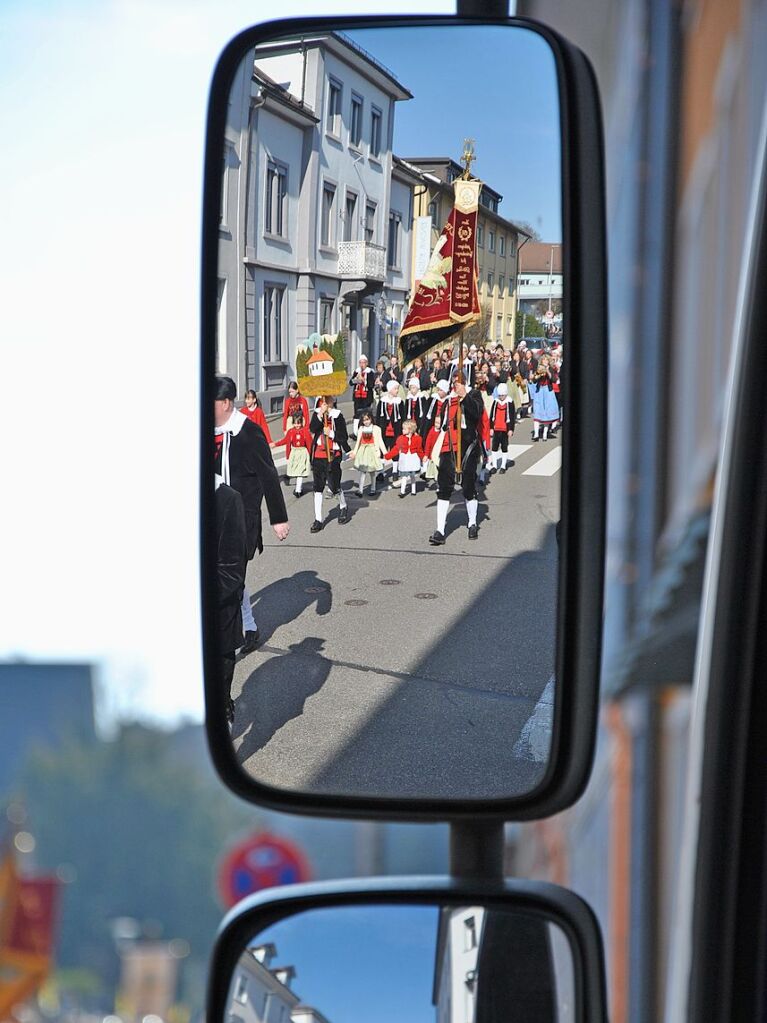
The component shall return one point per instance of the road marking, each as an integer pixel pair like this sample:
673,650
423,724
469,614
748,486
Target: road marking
546,466
515,450
534,742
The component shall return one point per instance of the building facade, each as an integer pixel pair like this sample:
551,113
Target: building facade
683,89
308,206
498,240
261,993
540,281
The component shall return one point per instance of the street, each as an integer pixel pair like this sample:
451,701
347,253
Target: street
388,666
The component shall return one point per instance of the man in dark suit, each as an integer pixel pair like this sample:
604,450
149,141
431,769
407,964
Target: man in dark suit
244,461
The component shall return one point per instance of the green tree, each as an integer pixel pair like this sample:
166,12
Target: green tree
339,354
140,830
528,326
302,355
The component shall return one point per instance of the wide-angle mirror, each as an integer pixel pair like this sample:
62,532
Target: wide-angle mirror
411,963
392,394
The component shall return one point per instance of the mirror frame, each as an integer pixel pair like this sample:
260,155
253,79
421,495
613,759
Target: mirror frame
583,473
557,905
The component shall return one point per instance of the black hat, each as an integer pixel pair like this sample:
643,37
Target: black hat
225,388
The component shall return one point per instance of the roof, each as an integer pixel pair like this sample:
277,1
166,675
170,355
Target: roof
343,46
535,256
320,356
273,90
446,169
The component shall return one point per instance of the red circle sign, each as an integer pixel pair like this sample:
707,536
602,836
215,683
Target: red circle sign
260,861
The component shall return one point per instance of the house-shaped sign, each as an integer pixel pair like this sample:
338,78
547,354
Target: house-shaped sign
319,363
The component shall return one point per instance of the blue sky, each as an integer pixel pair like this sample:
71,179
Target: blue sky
369,962
497,85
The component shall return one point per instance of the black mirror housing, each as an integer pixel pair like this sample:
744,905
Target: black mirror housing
581,533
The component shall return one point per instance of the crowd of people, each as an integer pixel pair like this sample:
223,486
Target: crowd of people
444,423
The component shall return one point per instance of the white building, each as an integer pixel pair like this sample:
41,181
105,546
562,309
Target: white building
539,280
309,206
455,977
260,993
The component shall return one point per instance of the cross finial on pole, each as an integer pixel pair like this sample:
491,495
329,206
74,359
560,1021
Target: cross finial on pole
468,157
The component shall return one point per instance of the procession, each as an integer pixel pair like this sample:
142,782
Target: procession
436,424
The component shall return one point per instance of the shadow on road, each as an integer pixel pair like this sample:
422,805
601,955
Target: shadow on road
285,599
276,692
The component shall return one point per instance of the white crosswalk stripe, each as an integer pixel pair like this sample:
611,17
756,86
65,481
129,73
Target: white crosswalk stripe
546,466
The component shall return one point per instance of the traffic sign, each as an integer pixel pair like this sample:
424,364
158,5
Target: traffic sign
260,861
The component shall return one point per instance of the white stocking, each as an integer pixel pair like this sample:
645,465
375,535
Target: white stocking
341,499
318,506
442,507
299,484
536,429
403,484
471,508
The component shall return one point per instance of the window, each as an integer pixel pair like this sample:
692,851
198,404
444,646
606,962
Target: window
501,283
375,131
498,328
355,129
480,236
326,316
501,245
434,211
274,298
350,216
490,282
335,93
491,241
241,990
327,232
275,216
469,934
509,325
222,212
370,221
395,232
512,245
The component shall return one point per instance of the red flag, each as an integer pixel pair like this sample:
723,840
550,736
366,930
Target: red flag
32,925
447,296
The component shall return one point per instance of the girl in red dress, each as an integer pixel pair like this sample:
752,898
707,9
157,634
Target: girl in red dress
408,449
253,410
293,403
297,443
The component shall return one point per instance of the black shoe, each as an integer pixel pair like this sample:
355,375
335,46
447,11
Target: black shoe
536,439
502,471
493,471
297,493
403,493
473,532
251,642
343,516
315,527
436,539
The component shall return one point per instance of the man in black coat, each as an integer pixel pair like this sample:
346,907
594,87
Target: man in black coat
244,460
464,414
232,561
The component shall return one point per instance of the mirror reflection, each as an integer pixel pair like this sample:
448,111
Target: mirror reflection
413,964
389,411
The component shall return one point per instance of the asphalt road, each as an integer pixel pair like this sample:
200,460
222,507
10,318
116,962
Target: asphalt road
392,668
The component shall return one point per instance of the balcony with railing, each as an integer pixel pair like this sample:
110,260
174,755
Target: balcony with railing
362,261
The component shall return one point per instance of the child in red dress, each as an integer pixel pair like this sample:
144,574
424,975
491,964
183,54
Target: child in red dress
297,443
255,413
409,450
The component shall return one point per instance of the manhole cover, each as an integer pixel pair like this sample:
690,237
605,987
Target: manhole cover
390,582
426,596
316,589
355,603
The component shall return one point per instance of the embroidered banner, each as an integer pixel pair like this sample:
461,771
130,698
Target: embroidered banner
447,296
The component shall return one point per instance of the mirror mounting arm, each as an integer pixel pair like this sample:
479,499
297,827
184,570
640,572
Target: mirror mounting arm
476,849
482,8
